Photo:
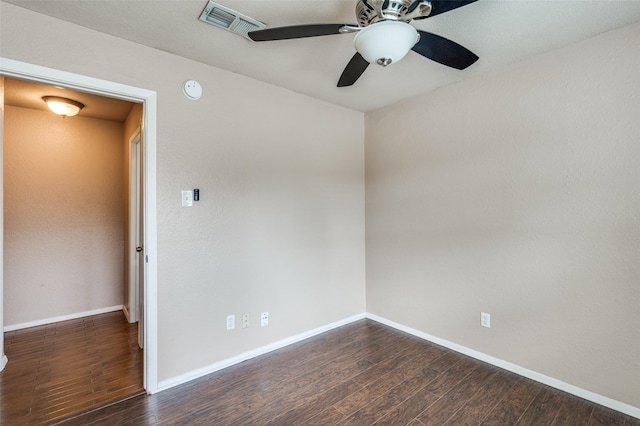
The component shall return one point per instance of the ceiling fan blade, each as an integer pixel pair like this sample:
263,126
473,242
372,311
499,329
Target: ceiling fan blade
442,6
444,51
297,31
353,70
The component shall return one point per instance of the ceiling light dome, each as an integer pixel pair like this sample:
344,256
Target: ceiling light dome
386,42
63,106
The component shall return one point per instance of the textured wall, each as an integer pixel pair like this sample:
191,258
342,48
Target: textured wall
63,204
280,224
517,194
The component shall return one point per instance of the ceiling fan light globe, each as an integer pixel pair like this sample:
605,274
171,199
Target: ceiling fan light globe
386,42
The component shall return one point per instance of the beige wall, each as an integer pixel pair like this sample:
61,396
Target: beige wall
63,204
517,194
522,206
280,223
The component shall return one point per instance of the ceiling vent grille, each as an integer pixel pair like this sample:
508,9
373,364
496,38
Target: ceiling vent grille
230,20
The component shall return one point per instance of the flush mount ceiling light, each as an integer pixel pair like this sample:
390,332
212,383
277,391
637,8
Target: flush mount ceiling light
63,106
386,42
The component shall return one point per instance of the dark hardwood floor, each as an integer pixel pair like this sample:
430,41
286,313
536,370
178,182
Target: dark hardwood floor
360,374
60,370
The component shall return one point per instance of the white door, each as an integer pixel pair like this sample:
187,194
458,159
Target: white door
136,232
132,302
141,259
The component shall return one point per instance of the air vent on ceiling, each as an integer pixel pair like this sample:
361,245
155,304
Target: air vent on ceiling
223,17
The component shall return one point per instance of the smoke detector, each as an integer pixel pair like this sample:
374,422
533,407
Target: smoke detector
230,20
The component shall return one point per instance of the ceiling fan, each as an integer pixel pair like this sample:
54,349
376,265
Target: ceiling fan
384,35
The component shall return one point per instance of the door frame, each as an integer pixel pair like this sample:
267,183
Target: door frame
131,308
148,98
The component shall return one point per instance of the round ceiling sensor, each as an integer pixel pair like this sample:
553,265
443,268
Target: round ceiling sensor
192,89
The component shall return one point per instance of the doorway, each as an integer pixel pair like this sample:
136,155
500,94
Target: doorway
106,88
134,293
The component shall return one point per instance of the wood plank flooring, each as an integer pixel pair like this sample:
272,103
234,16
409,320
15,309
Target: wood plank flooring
361,374
66,368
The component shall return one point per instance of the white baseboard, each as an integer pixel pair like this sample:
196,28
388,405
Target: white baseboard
62,318
125,311
178,380
533,375
3,362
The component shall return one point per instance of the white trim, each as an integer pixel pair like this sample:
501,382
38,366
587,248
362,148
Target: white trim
183,378
150,242
3,362
62,318
133,264
22,70
149,100
125,311
533,375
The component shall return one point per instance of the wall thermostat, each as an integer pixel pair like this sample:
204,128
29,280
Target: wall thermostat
192,89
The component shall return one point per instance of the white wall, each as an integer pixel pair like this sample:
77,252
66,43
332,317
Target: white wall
517,194
280,224
64,221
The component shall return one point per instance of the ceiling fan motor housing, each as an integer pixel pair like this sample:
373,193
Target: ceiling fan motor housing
372,11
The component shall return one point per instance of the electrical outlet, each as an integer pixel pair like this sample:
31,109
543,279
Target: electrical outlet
264,319
231,322
245,321
485,320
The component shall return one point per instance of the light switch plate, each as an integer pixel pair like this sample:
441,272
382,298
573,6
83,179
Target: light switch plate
187,198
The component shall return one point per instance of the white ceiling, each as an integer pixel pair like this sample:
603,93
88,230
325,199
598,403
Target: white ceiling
500,32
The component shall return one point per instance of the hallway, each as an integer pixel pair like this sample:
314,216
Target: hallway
59,370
